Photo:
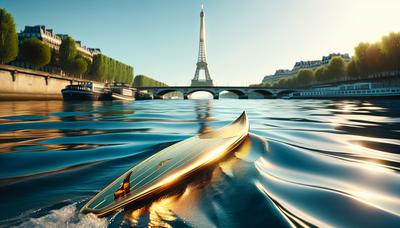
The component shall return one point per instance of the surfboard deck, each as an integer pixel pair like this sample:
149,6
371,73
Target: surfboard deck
168,166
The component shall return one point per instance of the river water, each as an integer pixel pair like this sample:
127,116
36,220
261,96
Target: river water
305,163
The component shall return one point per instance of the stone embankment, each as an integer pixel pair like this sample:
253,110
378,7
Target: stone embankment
25,84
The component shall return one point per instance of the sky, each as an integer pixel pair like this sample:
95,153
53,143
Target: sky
246,39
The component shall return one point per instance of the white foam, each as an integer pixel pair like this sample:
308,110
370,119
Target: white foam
67,216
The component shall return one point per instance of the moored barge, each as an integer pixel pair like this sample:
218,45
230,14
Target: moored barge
356,90
85,91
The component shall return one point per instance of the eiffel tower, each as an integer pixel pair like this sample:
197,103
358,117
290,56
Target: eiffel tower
202,59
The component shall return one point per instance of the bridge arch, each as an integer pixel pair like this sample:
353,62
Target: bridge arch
284,92
263,92
161,93
213,93
240,93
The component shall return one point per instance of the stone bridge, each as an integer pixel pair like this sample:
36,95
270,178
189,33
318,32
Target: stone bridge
241,92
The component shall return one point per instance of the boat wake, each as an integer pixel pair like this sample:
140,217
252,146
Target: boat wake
66,216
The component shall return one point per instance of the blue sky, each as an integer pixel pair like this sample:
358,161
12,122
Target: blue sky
246,39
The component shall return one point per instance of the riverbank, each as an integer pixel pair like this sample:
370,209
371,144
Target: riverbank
26,84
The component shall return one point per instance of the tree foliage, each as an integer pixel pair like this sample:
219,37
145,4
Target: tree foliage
321,74
8,38
352,71
79,65
369,59
107,69
35,52
377,57
67,54
336,68
144,81
390,46
305,77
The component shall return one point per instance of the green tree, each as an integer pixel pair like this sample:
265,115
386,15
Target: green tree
67,54
375,58
8,38
282,83
144,81
321,74
336,68
35,52
78,66
361,58
351,69
266,84
96,70
54,59
305,77
391,50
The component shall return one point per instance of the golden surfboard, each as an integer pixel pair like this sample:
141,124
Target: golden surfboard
168,167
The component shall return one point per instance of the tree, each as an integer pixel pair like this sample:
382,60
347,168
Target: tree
35,52
352,71
321,74
281,83
143,81
361,58
8,38
78,66
54,60
375,58
305,77
336,68
391,50
266,84
67,54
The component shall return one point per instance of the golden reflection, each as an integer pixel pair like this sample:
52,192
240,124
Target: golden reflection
18,138
160,212
226,166
135,215
374,167
179,203
244,149
34,108
167,209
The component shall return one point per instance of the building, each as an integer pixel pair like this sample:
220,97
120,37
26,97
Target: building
83,50
95,51
326,59
307,64
40,32
283,73
52,40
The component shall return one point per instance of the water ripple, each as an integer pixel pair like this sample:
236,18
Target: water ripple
306,163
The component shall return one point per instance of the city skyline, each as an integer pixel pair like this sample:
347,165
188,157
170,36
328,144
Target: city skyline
246,40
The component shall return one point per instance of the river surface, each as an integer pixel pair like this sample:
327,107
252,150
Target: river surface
305,163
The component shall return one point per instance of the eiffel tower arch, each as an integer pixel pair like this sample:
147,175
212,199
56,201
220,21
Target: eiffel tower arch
202,59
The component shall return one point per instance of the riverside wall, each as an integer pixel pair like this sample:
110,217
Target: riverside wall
25,84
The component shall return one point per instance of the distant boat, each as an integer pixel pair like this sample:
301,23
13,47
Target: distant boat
85,91
168,167
356,90
140,95
121,91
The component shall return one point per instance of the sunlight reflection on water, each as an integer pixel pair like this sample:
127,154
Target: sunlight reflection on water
308,162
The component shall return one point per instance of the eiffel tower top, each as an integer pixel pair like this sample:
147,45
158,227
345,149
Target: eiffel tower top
202,45
202,58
